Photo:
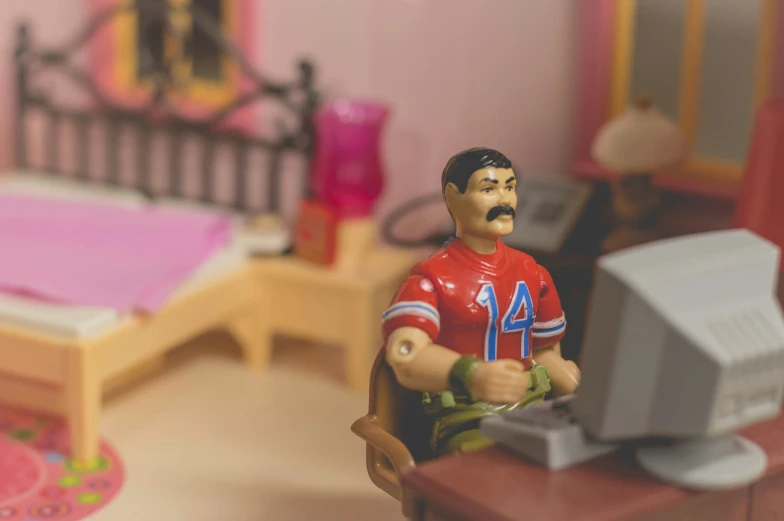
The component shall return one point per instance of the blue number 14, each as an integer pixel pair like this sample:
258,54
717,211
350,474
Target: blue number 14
521,301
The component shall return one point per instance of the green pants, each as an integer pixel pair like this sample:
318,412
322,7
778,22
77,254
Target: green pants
456,418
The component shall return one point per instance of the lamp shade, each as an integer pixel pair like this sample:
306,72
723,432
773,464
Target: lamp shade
760,206
642,140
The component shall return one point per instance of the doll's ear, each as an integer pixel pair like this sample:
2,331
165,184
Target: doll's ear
451,192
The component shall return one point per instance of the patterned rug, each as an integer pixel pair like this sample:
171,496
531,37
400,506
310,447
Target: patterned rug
38,482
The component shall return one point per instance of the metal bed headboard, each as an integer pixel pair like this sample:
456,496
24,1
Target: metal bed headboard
299,100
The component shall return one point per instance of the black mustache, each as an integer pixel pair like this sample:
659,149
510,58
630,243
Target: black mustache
500,210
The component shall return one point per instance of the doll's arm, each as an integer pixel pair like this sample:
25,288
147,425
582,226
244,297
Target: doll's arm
421,365
564,374
418,363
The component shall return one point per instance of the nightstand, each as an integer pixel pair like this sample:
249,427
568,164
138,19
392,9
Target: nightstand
330,305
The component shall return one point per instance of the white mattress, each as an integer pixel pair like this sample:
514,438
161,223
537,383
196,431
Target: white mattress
82,321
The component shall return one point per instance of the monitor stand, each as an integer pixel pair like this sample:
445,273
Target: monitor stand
706,464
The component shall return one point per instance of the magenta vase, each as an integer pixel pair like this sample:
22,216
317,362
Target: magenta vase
348,173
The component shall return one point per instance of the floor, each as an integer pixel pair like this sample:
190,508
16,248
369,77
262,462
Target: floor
205,439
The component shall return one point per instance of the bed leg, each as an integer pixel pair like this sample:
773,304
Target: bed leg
255,339
83,405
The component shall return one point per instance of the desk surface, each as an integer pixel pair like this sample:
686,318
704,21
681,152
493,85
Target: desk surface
494,485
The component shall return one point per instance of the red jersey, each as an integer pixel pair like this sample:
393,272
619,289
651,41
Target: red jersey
490,306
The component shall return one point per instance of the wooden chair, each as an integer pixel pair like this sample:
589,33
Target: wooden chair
396,430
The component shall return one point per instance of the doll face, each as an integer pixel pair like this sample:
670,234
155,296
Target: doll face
487,207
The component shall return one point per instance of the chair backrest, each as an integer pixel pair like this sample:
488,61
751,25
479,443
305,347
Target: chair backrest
398,410
396,430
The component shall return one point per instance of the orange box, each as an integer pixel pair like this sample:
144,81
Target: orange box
315,236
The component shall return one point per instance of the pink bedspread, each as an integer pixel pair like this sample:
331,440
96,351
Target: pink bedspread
90,254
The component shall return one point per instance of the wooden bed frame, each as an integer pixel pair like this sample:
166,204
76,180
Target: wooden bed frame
68,376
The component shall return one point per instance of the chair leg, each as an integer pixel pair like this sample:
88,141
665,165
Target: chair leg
83,405
250,330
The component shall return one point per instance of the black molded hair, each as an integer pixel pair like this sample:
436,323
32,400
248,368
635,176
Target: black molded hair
462,166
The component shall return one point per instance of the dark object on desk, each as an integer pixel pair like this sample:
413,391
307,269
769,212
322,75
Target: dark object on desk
551,209
549,212
572,268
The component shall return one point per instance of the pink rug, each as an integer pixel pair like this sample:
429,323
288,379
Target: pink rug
37,480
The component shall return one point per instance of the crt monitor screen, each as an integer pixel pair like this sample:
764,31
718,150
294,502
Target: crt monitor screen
685,339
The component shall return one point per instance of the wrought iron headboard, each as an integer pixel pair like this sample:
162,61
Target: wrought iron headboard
298,98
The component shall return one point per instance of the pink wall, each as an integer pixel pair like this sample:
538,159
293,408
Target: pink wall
595,63
458,73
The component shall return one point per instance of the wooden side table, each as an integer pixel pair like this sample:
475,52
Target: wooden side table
325,304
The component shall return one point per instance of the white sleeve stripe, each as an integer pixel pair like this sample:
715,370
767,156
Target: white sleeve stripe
550,323
414,304
546,333
422,310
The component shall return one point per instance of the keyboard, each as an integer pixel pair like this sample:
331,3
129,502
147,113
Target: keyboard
546,434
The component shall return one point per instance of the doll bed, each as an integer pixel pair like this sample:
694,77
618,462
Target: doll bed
84,322
59,358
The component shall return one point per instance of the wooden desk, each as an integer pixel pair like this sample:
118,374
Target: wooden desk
494,485
331,305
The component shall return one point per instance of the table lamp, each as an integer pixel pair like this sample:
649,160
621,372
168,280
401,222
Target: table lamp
634,146
759,207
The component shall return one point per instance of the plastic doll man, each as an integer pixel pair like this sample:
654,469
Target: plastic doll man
468,323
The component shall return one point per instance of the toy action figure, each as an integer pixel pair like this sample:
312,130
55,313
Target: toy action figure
477,326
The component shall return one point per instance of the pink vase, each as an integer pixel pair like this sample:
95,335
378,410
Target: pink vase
347,170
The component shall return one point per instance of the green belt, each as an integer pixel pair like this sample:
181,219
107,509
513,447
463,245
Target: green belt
455,413
436,404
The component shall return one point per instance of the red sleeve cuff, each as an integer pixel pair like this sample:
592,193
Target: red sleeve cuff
550,332
425,324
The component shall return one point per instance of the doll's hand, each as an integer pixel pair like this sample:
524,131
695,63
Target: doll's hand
500,381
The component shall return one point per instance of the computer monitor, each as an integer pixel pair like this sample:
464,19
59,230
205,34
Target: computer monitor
685,342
